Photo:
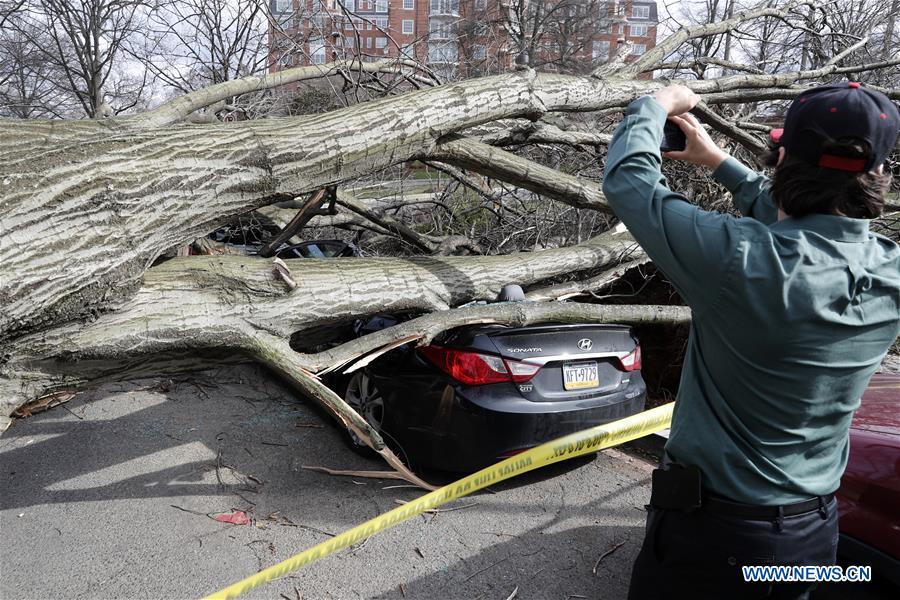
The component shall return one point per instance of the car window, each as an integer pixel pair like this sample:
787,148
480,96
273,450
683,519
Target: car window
320,249
312,251
326,249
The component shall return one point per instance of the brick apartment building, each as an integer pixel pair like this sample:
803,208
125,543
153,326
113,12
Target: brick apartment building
459,38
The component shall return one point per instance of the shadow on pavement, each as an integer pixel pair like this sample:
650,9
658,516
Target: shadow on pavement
540,564
146,440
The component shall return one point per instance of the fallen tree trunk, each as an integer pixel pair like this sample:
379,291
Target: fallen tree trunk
217,302
107,197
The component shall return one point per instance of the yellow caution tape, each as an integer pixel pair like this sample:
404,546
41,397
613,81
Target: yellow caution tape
566,447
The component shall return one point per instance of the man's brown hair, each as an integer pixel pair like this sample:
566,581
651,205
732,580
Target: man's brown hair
800,188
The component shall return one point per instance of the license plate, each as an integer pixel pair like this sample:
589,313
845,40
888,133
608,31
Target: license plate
577,376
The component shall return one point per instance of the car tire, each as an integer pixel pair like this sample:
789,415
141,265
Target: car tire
360,393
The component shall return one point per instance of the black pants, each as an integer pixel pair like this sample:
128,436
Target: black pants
699,554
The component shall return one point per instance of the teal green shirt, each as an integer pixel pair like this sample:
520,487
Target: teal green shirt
790,320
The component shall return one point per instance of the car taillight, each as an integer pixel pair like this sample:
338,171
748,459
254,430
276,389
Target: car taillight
632,360
521,372
473,368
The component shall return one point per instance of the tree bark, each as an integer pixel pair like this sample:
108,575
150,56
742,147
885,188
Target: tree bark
218,302
87,206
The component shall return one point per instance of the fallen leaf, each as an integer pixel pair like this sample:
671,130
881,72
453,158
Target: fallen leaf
237,517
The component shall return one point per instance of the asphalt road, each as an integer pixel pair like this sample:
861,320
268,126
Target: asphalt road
107,497
111,496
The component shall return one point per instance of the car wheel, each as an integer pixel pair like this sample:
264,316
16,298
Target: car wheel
364,397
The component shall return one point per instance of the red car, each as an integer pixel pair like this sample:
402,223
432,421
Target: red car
869,496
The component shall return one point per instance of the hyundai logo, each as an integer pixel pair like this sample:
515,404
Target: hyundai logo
585,344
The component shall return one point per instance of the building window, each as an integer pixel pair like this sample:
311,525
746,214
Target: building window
350,5
442,53
281,6
600,50
640,12
381,22
381,6
639,49
380,42
479,52
441,31
409,4
349,42
638,30
480,4
317,51
408,26
368,42
445,7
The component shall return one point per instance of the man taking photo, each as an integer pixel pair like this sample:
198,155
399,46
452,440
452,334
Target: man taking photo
794,307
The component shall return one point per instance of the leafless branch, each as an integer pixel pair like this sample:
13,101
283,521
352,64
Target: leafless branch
655,56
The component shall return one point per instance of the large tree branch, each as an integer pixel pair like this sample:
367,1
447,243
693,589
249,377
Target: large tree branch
723,125
581,287
178,109
704,61
424,330
277,355
538,132
506,166
744,86
386,222
312,206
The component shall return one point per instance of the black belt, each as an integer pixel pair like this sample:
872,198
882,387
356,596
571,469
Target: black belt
750,511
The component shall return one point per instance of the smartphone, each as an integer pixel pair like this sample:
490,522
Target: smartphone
674,139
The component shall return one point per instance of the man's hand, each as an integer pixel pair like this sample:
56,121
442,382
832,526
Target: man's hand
676,99
700,149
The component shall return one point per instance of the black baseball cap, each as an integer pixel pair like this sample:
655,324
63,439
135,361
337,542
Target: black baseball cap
840,110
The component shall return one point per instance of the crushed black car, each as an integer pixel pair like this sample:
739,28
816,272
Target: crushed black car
481,393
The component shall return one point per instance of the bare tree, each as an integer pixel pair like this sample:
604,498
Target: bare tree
191,44
29,86
560,34
8,8
82,40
